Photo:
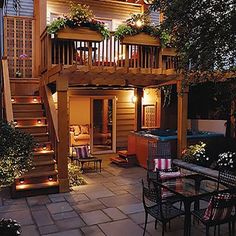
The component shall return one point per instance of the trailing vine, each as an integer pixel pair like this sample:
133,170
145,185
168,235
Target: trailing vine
167,90
79,16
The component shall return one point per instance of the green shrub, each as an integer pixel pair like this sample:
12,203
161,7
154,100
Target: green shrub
16,152
74,173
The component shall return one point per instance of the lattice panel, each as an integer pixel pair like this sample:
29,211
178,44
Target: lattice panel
18,45
149,116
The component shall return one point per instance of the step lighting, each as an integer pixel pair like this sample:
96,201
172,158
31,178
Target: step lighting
21,180
50,178
35,99
39,121
13,100
44,147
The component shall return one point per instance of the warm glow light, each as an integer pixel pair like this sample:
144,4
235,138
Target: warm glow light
15,122
39,121
139,23
21,180
44,148
50,178
35,99
134,99
13,100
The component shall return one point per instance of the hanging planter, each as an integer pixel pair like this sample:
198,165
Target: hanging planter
81,34
141,39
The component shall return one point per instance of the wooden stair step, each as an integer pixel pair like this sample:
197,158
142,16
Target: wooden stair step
38,174
27,190
32,129
37,186
45,165
43,146
24,121
25,99
28,113
26,106
125,154
41,137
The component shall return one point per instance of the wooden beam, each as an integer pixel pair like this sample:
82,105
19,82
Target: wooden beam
182,118
63,134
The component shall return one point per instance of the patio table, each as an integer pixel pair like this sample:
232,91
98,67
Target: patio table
189,191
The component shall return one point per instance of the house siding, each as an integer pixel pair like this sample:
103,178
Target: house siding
26,9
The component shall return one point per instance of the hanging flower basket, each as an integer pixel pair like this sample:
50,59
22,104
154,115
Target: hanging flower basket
141,39
81,34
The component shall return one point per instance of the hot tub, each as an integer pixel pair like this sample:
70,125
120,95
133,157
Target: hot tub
138,141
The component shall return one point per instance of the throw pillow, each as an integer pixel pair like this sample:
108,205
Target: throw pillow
162,164
84,129
169,175
76,130
82,152
215,210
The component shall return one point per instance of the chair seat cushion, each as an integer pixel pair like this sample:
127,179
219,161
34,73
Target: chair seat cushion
82,152
169,175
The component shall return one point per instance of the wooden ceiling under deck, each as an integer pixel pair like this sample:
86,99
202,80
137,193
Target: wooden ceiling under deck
83,76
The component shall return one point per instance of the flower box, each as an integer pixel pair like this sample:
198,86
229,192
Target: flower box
81,34
141,39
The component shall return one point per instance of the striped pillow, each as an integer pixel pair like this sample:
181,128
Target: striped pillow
162,164
218,213
82,152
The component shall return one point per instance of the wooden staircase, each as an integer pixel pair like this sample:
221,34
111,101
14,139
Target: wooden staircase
29,117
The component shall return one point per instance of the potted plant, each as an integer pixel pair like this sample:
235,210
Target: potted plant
79,24
227,161
9,227
138,30
16,152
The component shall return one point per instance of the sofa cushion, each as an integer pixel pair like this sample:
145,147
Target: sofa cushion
84,129
162,164
77,130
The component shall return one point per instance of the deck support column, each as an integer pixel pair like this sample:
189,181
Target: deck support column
63,134
182,118
138,93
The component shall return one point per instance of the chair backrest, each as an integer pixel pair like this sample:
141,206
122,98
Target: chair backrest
221,206
157,150
226,178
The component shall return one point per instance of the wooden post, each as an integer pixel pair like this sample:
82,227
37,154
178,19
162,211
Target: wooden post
138,93
127,57
105,117
160,66
63,134
182,118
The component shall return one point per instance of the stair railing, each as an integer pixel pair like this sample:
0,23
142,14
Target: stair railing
7,91
51,114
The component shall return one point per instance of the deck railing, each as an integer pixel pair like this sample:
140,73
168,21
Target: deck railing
51,115
109,53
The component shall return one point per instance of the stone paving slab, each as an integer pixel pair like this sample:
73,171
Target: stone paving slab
78,197
59,207
114,213
131,208
42,217
121,227
70,223
64,215
29,230
92,231
48,229
95,217
88,206
75,232
38,200
120,200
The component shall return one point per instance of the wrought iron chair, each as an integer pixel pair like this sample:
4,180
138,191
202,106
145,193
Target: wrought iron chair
153,204
219,211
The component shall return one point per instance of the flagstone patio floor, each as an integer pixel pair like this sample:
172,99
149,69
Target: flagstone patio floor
110,204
